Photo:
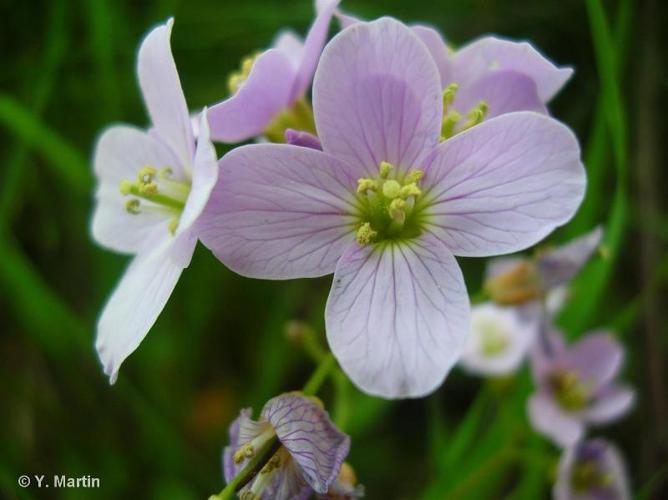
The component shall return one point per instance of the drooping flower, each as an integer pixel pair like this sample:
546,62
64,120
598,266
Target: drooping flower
592,470
522,281
499,340
576,386
385,206
267,94
152,186
487,77
308,456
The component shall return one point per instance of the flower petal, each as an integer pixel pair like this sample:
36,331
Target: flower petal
494,54
397,316
438,50
137,302
611,403
301,138
560,265
597,357
504,185
313,45
310,437
503,91
260,98
564,429
119,154
231,469
204,177
377,97
291,45
279,212
161,88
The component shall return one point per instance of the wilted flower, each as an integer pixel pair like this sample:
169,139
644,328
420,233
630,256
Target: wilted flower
267,93
592,470
487,77
519,281
576,387
386,206
308,457
498,342
152,187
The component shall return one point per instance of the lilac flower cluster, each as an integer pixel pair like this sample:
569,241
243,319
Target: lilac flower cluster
575,385
384,155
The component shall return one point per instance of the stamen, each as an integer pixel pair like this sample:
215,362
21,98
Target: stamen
146,174
173,225
449,95
476,115
448,125
397,210
239,77
365,234
132,206
248,450
385,169
364,185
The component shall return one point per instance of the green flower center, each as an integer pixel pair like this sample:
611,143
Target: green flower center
389,206
493,338
570,390
587,475
155,191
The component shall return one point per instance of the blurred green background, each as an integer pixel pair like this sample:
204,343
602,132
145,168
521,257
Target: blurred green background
68,69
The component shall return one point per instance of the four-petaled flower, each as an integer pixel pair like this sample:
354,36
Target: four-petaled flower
487,77
386,206
152,187
592,470
576,387
499,340
309,452
267,92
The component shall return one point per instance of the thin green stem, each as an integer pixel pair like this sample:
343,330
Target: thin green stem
319,375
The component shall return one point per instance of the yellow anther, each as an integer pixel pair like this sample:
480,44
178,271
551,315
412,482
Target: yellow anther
246,451
365,234
132,206
413,176
173,225
364,185
410,190
126,187
146,174
166,173
391,189
239,77
476,115
450,120
449,95
148,189
273,463
397,210
385,169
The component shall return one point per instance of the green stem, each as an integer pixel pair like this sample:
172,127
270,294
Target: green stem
319,375
267,451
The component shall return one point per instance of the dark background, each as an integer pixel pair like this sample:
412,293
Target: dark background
68,69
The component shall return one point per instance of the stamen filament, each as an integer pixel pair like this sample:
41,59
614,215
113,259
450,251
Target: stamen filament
160,199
